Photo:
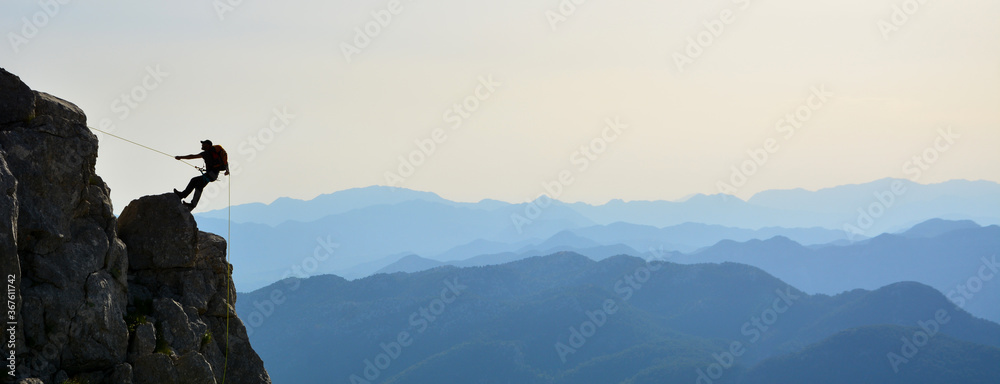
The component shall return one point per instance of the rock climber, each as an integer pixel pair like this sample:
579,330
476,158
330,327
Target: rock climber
216,160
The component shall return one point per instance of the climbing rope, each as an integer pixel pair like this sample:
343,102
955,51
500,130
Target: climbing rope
229,236
149,148
229,240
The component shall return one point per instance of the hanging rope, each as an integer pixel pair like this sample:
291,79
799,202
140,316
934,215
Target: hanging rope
229,240
229,236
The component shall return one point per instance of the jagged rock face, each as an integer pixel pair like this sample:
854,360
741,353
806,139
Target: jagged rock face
17,101
76,287
72,266
180,282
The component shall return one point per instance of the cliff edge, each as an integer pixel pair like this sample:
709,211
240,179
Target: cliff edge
144,298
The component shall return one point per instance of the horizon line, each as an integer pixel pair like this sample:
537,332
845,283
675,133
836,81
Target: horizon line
678,200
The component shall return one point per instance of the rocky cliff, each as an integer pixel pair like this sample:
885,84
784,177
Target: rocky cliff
144,298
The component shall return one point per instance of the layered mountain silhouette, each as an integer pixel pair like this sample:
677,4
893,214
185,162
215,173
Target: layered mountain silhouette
565,318
858,356
947,255
960,261
274,238
936,227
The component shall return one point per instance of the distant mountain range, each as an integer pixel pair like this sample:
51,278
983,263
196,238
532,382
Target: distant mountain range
565,318
940,253
956,258
376,226
445,291
366,243
905,204
855,356
937,227
387,230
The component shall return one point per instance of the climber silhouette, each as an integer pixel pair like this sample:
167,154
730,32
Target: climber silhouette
216,161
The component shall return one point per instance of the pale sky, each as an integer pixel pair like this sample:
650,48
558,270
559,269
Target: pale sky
889,92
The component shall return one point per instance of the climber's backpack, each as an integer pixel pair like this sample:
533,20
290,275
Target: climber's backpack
219,159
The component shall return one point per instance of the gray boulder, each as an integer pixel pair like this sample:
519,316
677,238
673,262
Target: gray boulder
192,368
160,233
143,342
156,368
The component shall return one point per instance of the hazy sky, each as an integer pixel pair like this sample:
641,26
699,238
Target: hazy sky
271,82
